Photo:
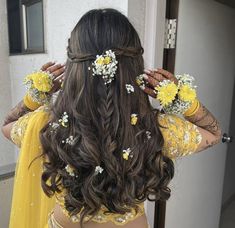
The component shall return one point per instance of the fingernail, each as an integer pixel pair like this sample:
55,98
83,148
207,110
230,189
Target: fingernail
142,87
145,76
147,71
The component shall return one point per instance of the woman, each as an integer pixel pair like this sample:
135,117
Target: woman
105,149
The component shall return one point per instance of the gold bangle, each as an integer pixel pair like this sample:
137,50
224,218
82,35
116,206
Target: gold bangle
193,108
29,103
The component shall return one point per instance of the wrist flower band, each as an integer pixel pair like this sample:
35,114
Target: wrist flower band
38,84
177,99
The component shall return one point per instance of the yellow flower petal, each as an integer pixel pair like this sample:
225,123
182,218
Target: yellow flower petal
134,119
125,156
107,60
166,94
187,93
41,81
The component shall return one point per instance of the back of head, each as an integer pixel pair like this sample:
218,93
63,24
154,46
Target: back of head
99,122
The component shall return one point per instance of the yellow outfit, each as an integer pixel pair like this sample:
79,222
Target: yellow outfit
31,207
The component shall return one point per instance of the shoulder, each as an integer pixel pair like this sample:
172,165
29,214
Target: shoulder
31,122
181,137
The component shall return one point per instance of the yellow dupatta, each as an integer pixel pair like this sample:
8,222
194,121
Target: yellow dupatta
30,205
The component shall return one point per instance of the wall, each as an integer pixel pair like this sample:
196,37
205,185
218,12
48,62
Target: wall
229,183
6,148
205,49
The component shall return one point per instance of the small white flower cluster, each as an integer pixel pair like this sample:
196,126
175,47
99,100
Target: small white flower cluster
148,134
140,81
130,88
54,126
105,65
69,170
64,119
186,79
70,140
98,169
177,107
127,153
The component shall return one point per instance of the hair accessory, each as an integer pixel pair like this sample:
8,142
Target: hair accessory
140,81
54,126
148,134
70,140
70,170
134,119
98,169
176,99
38,85
130,88
126,153
105,65
64,120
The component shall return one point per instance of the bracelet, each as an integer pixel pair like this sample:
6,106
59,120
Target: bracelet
177,99
29,103
38,84
193,109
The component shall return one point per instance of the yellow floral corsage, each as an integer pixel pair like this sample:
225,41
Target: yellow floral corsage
174,98
38,85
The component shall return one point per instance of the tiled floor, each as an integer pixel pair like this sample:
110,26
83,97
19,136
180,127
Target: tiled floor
227,219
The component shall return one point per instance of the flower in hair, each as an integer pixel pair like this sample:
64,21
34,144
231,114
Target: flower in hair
134,119
140,81
98,169
126,153
130,88
105,65
70,170
148,134
64,120
186,93
54,125
166,92
70,140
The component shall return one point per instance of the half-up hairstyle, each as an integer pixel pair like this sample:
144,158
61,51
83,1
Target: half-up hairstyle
99,119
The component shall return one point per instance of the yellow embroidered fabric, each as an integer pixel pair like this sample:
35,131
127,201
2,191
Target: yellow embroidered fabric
181,137
29,201
30,206
101,216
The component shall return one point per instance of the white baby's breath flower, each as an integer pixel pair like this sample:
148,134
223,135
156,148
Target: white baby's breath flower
106,66
98,169
130,88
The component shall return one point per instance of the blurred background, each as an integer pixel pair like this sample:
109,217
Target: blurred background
184,36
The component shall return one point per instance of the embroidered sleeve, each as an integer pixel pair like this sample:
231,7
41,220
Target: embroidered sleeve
19,127
181,137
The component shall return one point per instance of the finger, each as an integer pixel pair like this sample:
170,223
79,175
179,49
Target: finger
165,73
149,91
54,68
59,79
47,65
158,76
151,80
58,72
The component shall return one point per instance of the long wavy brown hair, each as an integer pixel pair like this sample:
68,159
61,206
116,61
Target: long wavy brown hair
99,120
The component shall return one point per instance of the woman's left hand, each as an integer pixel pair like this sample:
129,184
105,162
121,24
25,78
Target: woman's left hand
154,77
57,70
